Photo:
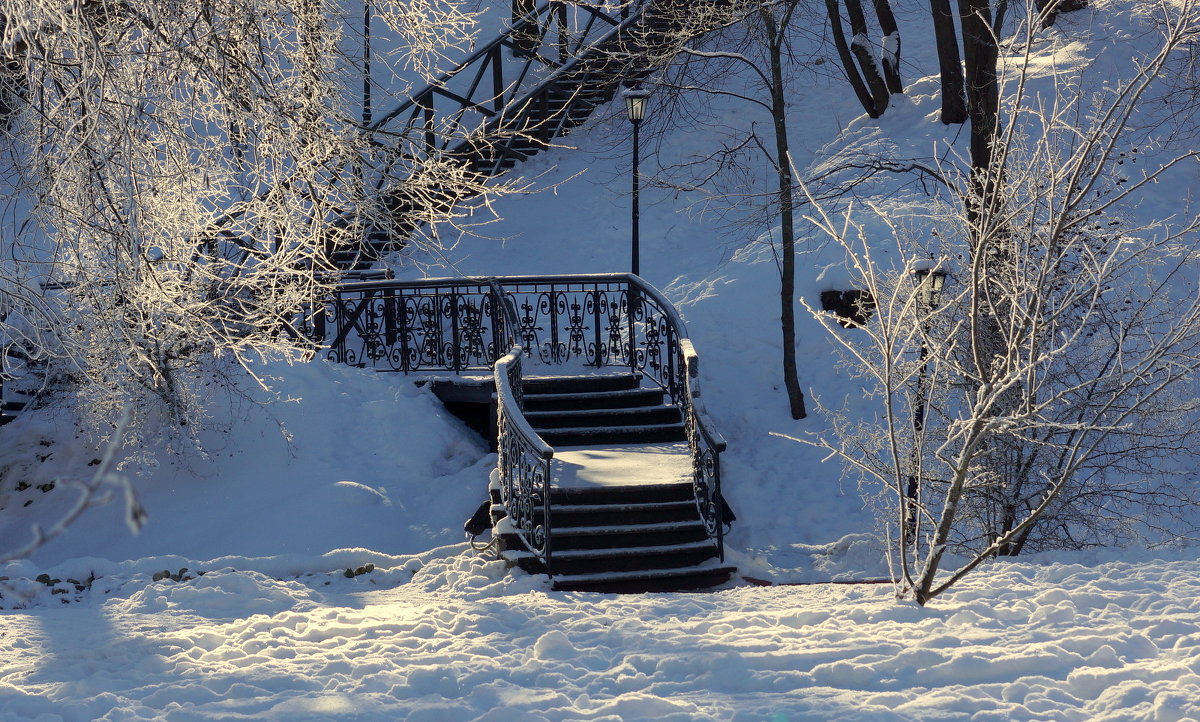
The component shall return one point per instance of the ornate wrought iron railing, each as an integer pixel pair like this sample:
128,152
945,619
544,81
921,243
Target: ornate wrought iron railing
506,323
524,462
439,325
524,458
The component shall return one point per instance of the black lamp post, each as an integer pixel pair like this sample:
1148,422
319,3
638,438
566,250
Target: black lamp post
929,290
635,107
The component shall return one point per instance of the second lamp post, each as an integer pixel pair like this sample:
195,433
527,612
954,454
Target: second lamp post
635,107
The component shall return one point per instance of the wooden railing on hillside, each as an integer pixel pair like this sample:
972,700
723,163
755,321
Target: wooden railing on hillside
505,324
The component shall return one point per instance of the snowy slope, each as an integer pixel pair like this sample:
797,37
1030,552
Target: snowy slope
367,469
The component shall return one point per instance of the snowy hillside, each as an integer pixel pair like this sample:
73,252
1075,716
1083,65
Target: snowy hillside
313,556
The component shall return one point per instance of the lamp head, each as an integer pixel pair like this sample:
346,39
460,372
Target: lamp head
635,104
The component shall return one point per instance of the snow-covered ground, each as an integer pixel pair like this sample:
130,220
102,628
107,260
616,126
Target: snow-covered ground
448,636
335,584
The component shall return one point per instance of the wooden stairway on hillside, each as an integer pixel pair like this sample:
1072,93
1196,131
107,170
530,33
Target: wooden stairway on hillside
624,512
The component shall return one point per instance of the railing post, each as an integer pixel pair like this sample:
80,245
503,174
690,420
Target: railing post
632,301
673,385
318,320
596,296
389,319
497,80
719,500
402,312
430,138
497,323
555,356
455,340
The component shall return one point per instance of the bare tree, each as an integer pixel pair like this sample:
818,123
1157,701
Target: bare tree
757,44
1043,399
177,178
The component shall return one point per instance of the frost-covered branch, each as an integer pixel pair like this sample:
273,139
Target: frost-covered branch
1045,397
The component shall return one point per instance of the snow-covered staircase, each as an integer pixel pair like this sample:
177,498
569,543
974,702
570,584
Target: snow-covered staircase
22,379
627,538
600,409
608,472
624,511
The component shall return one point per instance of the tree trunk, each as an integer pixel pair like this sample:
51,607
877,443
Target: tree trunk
891,46
860,46
983,97
954,101
787,230
847,59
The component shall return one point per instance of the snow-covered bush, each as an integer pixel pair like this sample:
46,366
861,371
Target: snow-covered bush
177,176
176,179
1045,396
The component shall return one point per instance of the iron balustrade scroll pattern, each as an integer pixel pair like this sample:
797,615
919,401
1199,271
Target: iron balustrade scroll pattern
415,327
706,445
524,463
464,324
598,322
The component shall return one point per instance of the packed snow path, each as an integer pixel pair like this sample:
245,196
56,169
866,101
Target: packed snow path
461,639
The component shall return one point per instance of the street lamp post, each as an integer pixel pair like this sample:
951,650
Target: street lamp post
635,107
929,289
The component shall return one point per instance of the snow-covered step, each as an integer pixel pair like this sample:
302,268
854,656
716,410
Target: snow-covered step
596,435
628,536
633,416
569,517
628,559
628,528
705,545
684,578
623,508
567,401
570,384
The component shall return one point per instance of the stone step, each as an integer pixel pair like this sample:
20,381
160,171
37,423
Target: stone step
688,578
593,515
575,418
631,559
569,401
643,494
628,536
612,435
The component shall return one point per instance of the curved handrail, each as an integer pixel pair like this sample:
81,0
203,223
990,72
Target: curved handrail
523,456
510,402
692,365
